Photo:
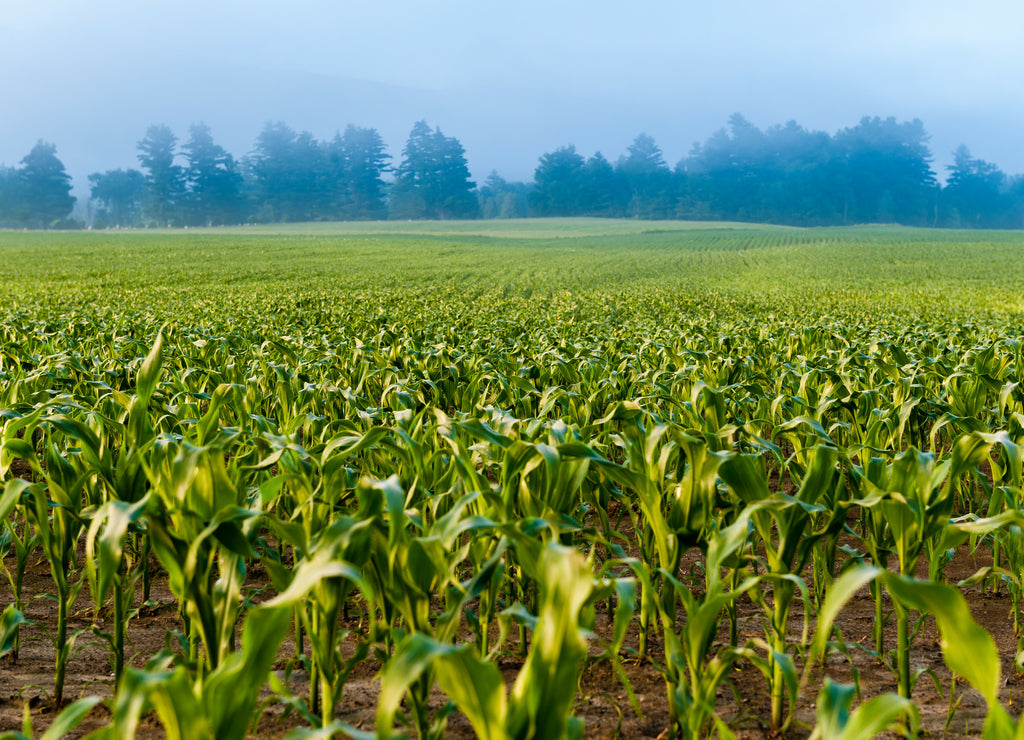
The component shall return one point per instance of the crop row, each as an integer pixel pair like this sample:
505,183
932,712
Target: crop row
429,499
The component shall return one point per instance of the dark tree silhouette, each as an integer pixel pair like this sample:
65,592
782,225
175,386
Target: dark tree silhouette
433,180
559,184
119,194
163,200
214,183
43,189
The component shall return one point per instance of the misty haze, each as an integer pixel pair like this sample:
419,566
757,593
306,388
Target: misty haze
518,86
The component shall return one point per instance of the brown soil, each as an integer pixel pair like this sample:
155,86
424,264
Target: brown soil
602,701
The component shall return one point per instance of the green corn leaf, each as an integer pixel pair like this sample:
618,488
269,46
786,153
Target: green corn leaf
232,690
840,592
114,517
69,718
335,729
835,721
744,474
967,648
10,621
149,373
477,688
872,717
414,655
11,495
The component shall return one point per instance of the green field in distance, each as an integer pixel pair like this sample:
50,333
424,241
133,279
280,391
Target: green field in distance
631,270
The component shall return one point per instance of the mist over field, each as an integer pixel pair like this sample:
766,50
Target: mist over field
510,83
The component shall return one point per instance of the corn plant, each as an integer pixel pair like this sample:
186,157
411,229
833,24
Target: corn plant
22,541
781,524
11,621
407,564
223,702
63,724
916,504
540,702
106,568
198,530
57,525
674,478
834,718
693,675
346,540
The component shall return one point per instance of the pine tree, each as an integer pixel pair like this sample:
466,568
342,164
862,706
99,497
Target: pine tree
214,184
433,180
163,200
365,161
119,193
43,196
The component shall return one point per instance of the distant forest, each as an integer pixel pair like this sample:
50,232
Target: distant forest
879,171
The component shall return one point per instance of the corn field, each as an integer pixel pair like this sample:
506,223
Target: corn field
503,479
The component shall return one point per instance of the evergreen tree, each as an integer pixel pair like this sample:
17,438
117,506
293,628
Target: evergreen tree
604,191
119,193
800,185
365,160
293,176
878,170
43,196
433,180
889,172
312,197
273,170
976,194
8,194
164,196
414,184
456,190
726,172
648,179
559,183
214,183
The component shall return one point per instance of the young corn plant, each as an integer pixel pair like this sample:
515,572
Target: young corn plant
408,564
11,621
320,612
201,535
107,568
674,476
834,719
916,505
63,724
693,674
20,540
540,702
782,527
222,704
57,522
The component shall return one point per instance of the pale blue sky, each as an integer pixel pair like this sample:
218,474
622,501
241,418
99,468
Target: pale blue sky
511,81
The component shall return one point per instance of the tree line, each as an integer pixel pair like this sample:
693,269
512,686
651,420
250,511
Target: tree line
879,170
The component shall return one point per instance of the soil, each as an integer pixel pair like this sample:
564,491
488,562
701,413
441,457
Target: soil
602,701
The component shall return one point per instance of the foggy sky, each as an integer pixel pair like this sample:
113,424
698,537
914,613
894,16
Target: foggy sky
511,81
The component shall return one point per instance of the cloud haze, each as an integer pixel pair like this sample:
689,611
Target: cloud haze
510,81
